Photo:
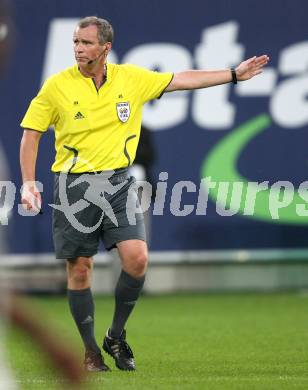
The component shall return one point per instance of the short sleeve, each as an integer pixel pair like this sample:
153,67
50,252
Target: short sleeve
151,84
41,113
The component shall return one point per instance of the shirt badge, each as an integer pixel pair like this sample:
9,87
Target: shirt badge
123,111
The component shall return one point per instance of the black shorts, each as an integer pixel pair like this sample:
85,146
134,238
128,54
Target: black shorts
92,207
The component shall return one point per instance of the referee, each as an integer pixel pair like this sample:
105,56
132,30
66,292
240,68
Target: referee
95,108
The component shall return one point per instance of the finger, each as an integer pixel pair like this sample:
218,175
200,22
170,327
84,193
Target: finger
258,72
263,59
38,200
29,206
35,207
26,204
263,56
38,206
35,199
259,66
251,60
261,62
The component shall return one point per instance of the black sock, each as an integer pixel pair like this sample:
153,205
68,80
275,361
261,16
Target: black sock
126,294
82,309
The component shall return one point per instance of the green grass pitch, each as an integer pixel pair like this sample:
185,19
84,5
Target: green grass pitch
196,341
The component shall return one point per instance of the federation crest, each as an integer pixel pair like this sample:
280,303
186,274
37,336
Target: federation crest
123,111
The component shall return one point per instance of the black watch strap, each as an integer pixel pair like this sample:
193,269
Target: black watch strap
234,78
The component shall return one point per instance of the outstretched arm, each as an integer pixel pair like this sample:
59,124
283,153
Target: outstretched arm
195,79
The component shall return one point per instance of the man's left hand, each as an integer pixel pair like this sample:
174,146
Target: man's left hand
251,67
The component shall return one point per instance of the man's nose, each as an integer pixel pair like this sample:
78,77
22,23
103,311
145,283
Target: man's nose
78,48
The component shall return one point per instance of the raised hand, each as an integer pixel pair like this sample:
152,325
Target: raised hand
251,67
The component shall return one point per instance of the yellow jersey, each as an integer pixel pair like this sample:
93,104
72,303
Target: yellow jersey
95,130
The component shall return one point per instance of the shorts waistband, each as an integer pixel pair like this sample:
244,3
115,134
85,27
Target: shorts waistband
117,171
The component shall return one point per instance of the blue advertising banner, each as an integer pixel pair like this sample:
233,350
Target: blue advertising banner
237,155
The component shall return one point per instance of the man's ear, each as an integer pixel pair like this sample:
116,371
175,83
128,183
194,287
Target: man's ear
108,46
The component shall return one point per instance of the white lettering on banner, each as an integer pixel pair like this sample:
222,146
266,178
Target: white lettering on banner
7,191
263,85
173,108
294,59
210,108
289,105
59,51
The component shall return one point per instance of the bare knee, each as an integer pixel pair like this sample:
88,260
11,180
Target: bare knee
134,256
79,272
137,265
